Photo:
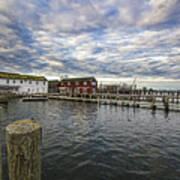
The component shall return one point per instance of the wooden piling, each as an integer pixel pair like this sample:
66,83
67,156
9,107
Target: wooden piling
122,103
99,100
23,139
134,102
177,99
172,99
153,105
166,103
0,144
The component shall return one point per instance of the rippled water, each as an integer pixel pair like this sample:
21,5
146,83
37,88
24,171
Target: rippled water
82,141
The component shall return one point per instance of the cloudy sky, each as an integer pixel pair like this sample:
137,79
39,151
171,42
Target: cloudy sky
105,38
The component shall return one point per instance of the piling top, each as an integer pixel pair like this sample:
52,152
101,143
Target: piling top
23,127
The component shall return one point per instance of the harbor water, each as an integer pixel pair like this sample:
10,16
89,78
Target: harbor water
84,141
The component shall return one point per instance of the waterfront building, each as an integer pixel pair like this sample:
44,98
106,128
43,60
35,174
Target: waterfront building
109,88
53,86
78,86
22,84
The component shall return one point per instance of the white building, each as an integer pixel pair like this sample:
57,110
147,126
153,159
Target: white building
22,84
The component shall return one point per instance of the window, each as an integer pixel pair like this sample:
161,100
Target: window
77,83
85,83
21,81
37,82
44,82
93,83
7,81
14,81
69,83
30,82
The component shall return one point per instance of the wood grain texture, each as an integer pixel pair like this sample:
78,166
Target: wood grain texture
24,150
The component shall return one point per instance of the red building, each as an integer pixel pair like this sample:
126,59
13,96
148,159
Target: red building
78,86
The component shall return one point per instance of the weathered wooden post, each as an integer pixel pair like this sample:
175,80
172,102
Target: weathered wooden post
99,100
138,100
153,105
134,102
172,100
0,144
177,99
23,140
166,104
122,103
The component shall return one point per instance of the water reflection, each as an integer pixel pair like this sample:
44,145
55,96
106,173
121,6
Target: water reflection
87,141
166,113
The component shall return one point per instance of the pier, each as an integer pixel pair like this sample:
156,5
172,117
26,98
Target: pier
156,100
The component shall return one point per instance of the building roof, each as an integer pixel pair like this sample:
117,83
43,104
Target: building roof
20,76
77,79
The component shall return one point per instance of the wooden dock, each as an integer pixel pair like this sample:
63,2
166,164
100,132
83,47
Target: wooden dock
27,99
126,101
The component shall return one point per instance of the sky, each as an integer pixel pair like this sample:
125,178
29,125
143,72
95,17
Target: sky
101,38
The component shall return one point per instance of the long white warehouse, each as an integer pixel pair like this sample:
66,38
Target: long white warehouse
22,84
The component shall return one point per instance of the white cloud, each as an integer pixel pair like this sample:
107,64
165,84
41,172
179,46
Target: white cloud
159,12
92,36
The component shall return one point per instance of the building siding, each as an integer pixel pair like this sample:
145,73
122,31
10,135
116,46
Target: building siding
26,86
77,87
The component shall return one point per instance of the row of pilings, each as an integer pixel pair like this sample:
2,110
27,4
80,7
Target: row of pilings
143,92
171,94
138,95
149,102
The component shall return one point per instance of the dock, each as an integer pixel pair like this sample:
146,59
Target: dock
27,99
148,102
